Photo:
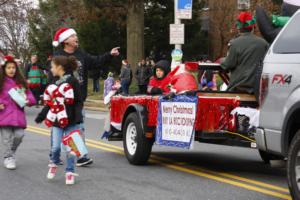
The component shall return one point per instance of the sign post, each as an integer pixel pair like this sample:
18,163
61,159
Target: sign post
182,10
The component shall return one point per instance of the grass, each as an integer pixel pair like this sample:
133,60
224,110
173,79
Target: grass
95,95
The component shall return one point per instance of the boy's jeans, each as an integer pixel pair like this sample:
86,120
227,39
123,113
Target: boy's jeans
56,139
79,127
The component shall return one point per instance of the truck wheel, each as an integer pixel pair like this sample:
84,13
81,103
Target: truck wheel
137,147
293,167
267,157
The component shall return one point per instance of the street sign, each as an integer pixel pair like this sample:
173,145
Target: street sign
243,4
184,9
177,55
176,33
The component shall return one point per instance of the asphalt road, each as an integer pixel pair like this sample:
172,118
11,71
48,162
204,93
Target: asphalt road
208,172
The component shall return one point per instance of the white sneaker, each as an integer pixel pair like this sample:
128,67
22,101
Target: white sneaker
70,178
52,171
10,163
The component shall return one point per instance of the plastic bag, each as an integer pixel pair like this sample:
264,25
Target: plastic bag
280,21
18,95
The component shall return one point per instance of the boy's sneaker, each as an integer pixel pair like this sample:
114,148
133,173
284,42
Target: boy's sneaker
84,162
52,171
10,163
70,178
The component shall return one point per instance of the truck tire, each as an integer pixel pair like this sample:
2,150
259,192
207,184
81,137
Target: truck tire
293,167
137,147
267,157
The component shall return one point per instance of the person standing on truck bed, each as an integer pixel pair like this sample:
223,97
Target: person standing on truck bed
245,54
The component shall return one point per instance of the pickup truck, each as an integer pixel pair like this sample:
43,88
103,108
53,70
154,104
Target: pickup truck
278,134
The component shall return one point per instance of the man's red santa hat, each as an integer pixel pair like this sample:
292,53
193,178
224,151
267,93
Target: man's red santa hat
61,35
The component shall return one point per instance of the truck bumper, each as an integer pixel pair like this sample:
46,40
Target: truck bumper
260,138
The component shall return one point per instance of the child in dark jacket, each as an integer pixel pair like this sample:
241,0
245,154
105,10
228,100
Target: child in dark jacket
63,111
160,71
161,80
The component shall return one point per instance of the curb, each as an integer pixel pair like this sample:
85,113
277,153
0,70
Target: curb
95,105
95,109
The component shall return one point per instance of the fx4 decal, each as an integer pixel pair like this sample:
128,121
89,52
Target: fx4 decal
281,79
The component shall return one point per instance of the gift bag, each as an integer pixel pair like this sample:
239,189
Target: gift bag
75,144
18,95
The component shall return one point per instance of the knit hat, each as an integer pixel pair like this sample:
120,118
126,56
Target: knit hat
61,35
110,74
125,62
245,21
163,65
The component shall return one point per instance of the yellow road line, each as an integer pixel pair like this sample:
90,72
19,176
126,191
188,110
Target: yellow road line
47,133
214,176
266,185
228,181
227,175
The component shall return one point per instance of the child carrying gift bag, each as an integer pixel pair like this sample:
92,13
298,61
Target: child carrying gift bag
14,96
62,112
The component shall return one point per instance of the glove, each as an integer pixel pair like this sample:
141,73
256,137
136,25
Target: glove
156,90
38,120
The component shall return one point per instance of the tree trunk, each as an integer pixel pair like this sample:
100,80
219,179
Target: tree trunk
135,32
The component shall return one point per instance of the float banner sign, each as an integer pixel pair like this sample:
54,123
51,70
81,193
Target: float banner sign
176,121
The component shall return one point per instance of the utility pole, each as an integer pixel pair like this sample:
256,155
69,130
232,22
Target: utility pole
177,21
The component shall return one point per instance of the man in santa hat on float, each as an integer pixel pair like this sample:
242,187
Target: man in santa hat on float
67,38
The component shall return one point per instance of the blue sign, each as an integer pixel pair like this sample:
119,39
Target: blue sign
176,121
184,9
185,4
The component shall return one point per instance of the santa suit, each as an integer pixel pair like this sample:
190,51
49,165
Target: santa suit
184,82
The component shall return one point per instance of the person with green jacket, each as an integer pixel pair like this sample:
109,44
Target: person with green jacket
245,54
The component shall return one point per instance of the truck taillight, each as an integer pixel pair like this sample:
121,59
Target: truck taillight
264,86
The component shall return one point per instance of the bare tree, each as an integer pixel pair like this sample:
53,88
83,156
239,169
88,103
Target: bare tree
222,23
14,27
2,2
135,32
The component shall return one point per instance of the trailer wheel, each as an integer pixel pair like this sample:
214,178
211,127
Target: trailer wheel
267,157
293,167
137,147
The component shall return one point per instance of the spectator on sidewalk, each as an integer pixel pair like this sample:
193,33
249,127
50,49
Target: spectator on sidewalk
143,74
108,83
34,75
125,77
